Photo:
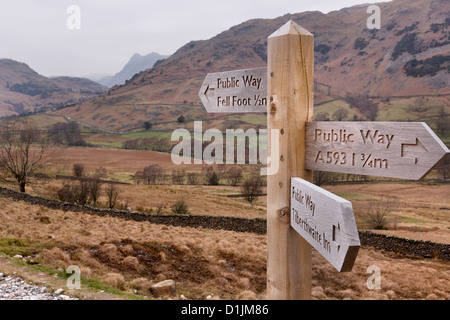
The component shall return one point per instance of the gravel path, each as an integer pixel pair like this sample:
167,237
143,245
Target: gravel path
15,288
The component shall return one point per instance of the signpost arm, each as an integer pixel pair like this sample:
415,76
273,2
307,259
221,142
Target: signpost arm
290,106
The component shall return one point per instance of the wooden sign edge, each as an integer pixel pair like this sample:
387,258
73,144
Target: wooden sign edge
255,110
354,243
438,158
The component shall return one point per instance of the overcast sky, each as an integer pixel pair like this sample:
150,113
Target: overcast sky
111,31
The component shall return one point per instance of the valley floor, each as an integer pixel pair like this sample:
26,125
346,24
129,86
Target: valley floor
117,257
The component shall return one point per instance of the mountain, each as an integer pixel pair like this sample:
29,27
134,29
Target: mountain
409,55
22,89
136,64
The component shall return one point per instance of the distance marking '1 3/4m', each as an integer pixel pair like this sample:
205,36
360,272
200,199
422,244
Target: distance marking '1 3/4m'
405,150
342,158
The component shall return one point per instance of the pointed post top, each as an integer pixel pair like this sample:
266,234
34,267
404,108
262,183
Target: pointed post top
290,28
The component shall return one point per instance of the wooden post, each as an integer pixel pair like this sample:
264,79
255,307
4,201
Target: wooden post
290,91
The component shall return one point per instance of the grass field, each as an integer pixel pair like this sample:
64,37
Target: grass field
116,257
122,259
426,202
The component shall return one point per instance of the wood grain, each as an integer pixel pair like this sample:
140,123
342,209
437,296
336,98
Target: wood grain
290,92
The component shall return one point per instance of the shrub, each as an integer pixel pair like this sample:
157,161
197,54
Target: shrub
114,280
360,43
78,170
142,285
214,179
181,119
409,43
322,48
131,263
55,257
378,212
180,207
427,67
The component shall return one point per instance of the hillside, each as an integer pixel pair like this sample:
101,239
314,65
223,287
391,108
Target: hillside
136,64
409,55
22,89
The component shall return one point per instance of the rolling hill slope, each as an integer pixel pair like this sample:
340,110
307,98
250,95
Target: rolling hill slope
409,55
22,89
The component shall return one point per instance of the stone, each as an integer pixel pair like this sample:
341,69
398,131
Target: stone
163,288
59,291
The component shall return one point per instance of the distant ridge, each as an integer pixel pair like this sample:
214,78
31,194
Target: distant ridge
23,90
136,64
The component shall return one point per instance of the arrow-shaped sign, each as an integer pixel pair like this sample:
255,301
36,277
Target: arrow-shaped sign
405,150
326,222
235,91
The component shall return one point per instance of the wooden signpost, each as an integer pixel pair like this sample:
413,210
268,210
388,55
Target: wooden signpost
290,56
404,150
326,221
235,91
301,215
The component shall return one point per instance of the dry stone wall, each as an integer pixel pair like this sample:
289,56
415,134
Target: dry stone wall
408,247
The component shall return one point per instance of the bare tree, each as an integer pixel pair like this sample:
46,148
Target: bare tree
100,172
22,147
178,176
442,122
74,192
234,175
152,174
95,189
112,193
193,178
251,188
340,114
138,177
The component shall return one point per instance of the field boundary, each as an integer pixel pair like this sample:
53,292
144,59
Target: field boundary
407,247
